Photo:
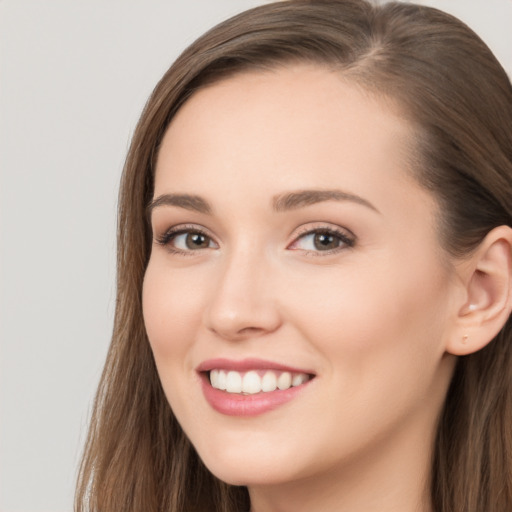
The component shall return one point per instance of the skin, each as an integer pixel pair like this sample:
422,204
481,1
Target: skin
372,320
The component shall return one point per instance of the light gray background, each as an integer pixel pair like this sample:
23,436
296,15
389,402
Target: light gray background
74,78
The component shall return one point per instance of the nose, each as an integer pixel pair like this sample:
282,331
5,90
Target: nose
243,303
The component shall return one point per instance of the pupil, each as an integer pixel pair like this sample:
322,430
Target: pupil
325,241
196,240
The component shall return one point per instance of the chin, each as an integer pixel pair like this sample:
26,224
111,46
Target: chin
258,466
242,475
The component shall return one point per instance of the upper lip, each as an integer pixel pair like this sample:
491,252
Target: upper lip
248,364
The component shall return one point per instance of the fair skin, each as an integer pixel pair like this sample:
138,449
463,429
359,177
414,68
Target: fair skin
353,289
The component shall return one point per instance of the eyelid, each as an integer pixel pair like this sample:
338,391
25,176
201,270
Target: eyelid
346,236
169,234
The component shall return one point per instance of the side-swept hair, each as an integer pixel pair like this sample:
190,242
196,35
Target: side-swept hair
459,101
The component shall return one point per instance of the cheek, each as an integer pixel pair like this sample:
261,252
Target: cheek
172,312
172,308
380,336
384,318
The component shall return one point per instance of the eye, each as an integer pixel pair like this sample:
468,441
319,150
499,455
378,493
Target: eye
191,241
182,240
325,240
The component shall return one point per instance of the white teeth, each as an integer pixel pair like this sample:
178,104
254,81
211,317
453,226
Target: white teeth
218,379
233,382
214,378
269,382
284,380
222,380
298,379
251,382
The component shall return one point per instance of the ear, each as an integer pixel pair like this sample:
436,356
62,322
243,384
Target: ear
487,277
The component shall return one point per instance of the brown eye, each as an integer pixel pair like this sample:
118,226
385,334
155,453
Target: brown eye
186,240
323,240
326,241
196,241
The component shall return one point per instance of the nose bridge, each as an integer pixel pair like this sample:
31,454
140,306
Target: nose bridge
242,303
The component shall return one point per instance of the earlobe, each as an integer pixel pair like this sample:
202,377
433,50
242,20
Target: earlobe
488,281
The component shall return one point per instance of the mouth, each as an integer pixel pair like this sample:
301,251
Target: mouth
250,387
255,381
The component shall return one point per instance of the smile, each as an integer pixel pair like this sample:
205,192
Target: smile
250,387
255,381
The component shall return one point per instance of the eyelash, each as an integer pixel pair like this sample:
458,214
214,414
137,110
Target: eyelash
347,241
166,238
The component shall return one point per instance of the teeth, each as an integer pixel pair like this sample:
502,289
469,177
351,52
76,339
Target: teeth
222,380
284,381
234,382
218,379
252,382
269,382
298,379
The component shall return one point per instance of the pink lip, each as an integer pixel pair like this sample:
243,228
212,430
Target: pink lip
232,404
246,365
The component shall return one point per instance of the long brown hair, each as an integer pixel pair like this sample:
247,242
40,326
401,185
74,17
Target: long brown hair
459,101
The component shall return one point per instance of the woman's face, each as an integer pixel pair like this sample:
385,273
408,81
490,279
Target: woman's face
293,248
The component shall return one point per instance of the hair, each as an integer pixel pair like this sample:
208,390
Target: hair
458,98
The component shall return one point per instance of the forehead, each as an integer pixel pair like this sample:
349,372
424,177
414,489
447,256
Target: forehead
300,127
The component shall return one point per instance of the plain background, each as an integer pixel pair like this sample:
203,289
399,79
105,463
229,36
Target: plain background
74,78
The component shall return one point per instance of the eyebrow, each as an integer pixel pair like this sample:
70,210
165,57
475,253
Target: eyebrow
301,198
280,203
187,201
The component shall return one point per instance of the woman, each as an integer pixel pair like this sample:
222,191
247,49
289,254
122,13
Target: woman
314,273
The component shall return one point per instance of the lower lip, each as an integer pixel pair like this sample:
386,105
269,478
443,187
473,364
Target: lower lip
233,404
